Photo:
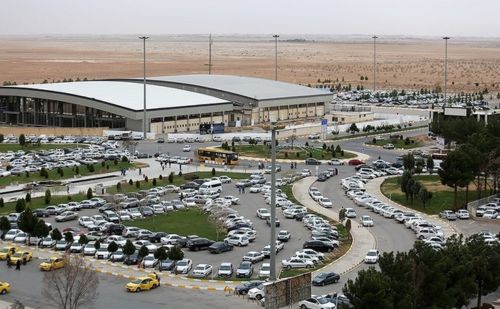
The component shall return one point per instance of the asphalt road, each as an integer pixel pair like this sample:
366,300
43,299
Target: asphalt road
27,287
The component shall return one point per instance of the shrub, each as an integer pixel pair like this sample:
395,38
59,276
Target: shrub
103,163
407,141
374,140
20,205
124,159
160,177
180,174
107,166
48,196
138,184
171,177
44,173
119,187
27,174
77,170
28,197
90,194
348,225
154,181
90,168
115,162
213,171
130,182
2,203
286,154
297,154
146,179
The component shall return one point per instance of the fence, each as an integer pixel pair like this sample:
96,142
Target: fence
472,206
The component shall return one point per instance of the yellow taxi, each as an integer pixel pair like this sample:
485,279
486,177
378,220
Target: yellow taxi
4,287
143,284
54,262
23,256
7,251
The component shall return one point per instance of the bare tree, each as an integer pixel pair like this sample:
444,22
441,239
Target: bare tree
217,215
292,139
72,286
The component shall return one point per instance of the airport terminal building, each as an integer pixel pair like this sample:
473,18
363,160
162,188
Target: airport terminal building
174,103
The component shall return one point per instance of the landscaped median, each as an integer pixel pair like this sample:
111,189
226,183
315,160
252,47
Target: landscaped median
398,142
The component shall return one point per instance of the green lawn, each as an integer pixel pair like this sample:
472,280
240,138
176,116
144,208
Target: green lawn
261,151
68,172
182,222
39,202
36,147
442,196
398,143
346,242
177,180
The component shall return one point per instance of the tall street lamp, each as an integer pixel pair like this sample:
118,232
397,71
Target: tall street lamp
210,54
446,38
276,56
144,38
272,257
374,62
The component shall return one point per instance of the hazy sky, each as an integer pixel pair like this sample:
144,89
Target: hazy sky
390,17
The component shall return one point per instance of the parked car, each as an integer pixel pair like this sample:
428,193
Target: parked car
284,235
245,270
312,161
318,246
366,221
297,263
225,270
219,247
184,266
325,278
243,288
202,271
199,244
66,216
448,214
463,214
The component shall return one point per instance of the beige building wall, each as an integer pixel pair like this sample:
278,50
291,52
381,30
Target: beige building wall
182,125
350,117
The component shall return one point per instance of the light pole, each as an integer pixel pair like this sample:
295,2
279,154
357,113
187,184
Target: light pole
210,54
144,38
276,56
272,257
446,38
374,62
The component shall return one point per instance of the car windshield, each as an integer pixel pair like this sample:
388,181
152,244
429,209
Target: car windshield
182,263
244,266
322,275
3,250
225,267
371,253
322,300
138,281
265,267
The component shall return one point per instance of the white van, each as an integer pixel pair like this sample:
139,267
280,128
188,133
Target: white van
211,187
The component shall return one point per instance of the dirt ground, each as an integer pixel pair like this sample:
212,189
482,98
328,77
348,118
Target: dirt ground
402,62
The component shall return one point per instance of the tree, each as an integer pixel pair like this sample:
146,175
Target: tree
20,205
129,248
175,254
90,194
112,247
27,222
405,178
41,229
409,162
73,286
430,165
28,197
22,140
48,196
2,203
161,254
353,128
213,171
171,177
56,234
68,237
342,214
292,139
424,195
119,187
97,244
83,240
370,289
4,225
456,171
143,251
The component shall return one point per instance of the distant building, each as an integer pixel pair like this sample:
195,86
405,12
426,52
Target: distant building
174,103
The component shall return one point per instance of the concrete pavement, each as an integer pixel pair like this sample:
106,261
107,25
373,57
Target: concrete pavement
362,238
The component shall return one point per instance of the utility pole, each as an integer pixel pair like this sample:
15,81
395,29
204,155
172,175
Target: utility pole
144,38
272,257
276,56
446,38
374,62
210,54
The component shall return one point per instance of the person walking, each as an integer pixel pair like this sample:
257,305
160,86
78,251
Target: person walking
67,189
140,171
18,265
8,262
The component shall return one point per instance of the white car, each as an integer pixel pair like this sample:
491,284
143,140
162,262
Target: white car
311,252
11,234
256,293
366,221
237,240
316,303
186,148
284,235
202,271
184,266
371,257
350,213
21,238
98,219
463,214
149,261
225,179
263,213
265,270
297,263
253,256
225,270
490,214
139,243
335,162
172,239
119,240
124,215
315,195
102,253
325,202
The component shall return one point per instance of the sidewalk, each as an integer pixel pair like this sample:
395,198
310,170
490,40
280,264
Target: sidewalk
362,238
373,188
359,156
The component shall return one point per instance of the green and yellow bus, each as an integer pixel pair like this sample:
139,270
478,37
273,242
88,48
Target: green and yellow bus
217,156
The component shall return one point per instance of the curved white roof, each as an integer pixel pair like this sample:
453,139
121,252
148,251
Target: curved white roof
130,95
251,87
